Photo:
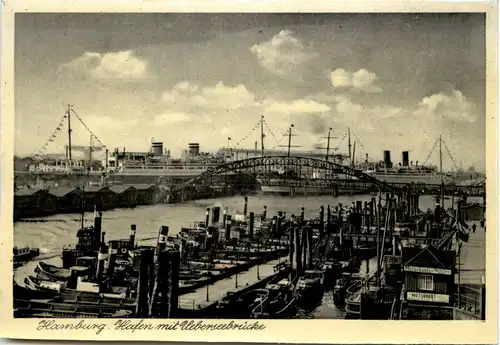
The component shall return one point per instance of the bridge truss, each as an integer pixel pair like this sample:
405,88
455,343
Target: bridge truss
253,166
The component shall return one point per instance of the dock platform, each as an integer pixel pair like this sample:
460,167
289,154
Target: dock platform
207,296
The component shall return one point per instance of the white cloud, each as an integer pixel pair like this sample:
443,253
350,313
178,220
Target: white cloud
108,66
219,96
283,53
172,118
299,106
454,106
362,79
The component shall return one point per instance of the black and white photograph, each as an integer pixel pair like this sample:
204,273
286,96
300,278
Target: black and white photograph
250,166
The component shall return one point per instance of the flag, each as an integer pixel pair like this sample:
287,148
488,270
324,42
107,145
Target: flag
228,138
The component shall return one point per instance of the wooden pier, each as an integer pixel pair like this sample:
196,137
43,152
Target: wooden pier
208,296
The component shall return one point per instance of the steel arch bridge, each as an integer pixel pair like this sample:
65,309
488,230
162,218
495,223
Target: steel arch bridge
251,165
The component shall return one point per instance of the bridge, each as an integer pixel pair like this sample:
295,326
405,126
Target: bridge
305,166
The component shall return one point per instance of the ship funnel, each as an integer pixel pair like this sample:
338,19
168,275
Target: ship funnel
405,158
157,148
387,159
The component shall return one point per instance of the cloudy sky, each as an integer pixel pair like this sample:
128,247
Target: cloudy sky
398,81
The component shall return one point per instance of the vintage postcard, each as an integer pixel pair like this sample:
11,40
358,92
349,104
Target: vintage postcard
224,171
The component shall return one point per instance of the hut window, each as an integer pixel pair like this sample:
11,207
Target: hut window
426,282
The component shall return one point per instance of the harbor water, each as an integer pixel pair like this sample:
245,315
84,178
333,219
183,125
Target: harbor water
52,233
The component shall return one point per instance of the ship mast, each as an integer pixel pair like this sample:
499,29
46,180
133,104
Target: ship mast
328,144
69,133
349,144
440,154
262,136
290,135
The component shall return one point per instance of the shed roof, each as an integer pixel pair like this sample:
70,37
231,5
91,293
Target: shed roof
27,191
428,257
144,186
118,189
62,191
96,189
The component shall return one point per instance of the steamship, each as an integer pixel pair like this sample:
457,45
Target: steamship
405,172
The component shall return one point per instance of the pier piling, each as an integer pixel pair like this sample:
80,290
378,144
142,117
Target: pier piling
274,225
264,213
328,215
228,228
224,217
245,208
251,221
321,219
146,259
298,252
215,214
309,233
304,247
291,245
302,212
97,230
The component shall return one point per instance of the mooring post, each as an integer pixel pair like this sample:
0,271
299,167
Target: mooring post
251,221
228,227
264,213
309,233
224,217
159,302
215,214
302,215
291,246
321,220
328,216
146,258
298,252
274,225
97,230
304,247
245,208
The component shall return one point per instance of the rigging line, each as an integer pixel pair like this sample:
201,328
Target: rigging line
340,142
52,135
272,133
87,128
449,154
278,142
360,144
430,153
248,134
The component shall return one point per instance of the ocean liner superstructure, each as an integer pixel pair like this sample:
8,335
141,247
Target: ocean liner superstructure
158,166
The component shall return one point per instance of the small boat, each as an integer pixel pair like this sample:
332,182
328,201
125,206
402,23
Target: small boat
113,297
40,308
25,254
50,272
26,293
339,291
310,288
278,303
331,271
